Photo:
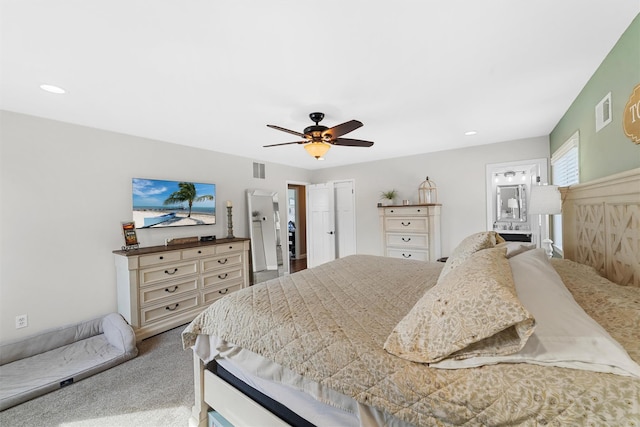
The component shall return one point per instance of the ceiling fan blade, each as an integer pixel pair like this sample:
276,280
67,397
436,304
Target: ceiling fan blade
286,143
342,129
351,142
286,130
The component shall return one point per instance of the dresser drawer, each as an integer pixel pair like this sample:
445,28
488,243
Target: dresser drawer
408,240
159,258
174,289
222,276
408,254
407,224
406,211
229,247
198,252
169,309
223,261
210,295
150,276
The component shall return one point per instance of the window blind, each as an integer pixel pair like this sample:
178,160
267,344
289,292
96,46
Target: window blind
565,168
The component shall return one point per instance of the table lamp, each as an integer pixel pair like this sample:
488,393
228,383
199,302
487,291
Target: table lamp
545,200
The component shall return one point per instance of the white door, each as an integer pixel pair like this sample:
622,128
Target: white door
345,218
321,243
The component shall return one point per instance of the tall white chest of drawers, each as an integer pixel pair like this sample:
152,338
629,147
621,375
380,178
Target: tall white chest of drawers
411,232
162,287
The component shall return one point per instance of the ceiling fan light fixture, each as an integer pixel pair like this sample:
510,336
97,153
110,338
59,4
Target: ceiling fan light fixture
317,149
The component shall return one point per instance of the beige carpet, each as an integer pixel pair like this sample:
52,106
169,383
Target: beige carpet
155,389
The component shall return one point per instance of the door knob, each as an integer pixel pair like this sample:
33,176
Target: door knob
329,232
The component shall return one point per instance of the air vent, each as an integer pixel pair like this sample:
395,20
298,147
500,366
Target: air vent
603,112
258,170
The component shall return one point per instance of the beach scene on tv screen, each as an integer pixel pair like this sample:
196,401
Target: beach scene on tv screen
158,203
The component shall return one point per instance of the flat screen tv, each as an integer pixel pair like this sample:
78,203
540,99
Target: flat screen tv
158,203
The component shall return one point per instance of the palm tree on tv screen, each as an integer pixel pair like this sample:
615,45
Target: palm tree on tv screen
186,193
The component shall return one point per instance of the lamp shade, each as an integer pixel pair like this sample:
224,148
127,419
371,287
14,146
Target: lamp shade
545,200
317,149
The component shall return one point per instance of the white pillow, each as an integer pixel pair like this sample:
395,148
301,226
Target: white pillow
516,248
565,335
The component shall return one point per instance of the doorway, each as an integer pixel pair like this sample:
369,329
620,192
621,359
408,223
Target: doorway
297,227
337,223
331,225
508,215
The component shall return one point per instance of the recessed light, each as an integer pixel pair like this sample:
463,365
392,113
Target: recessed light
53,89
471,132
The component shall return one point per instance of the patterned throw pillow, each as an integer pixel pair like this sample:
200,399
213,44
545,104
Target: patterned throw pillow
474,311
469,246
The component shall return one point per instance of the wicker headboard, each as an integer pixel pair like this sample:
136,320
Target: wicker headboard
601,226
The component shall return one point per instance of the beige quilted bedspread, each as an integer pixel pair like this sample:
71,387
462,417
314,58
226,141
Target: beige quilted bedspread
330,323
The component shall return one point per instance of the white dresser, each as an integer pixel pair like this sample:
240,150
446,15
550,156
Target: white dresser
411,232
162,287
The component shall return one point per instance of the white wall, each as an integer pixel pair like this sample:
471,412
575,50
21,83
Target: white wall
459,176
64,190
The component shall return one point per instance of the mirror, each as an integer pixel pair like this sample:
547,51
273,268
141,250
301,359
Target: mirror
511,203
264,230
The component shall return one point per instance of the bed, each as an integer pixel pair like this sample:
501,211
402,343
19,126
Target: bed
367,340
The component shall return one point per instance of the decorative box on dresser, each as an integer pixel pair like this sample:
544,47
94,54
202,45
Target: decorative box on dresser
411,231
162,287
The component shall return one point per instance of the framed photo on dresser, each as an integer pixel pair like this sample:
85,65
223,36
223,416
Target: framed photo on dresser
129,233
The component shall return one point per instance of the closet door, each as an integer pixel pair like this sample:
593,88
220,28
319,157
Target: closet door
345,218
321,243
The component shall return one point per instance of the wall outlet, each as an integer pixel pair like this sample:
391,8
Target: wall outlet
22,321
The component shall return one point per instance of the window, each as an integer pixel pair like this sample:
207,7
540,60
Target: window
565,170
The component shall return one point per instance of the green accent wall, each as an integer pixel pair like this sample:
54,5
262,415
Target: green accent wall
609,151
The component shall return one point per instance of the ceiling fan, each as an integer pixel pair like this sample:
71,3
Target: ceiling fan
319,138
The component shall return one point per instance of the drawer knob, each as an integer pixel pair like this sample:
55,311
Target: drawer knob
419,210
175,288
172,308
161,257
391,211
199,252
175,270
231,247
406,239
406,256
222,262
224,291
407,224
223,276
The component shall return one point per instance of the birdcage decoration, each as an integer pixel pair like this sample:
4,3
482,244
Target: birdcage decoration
427,192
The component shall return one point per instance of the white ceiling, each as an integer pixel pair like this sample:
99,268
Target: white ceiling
212,74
